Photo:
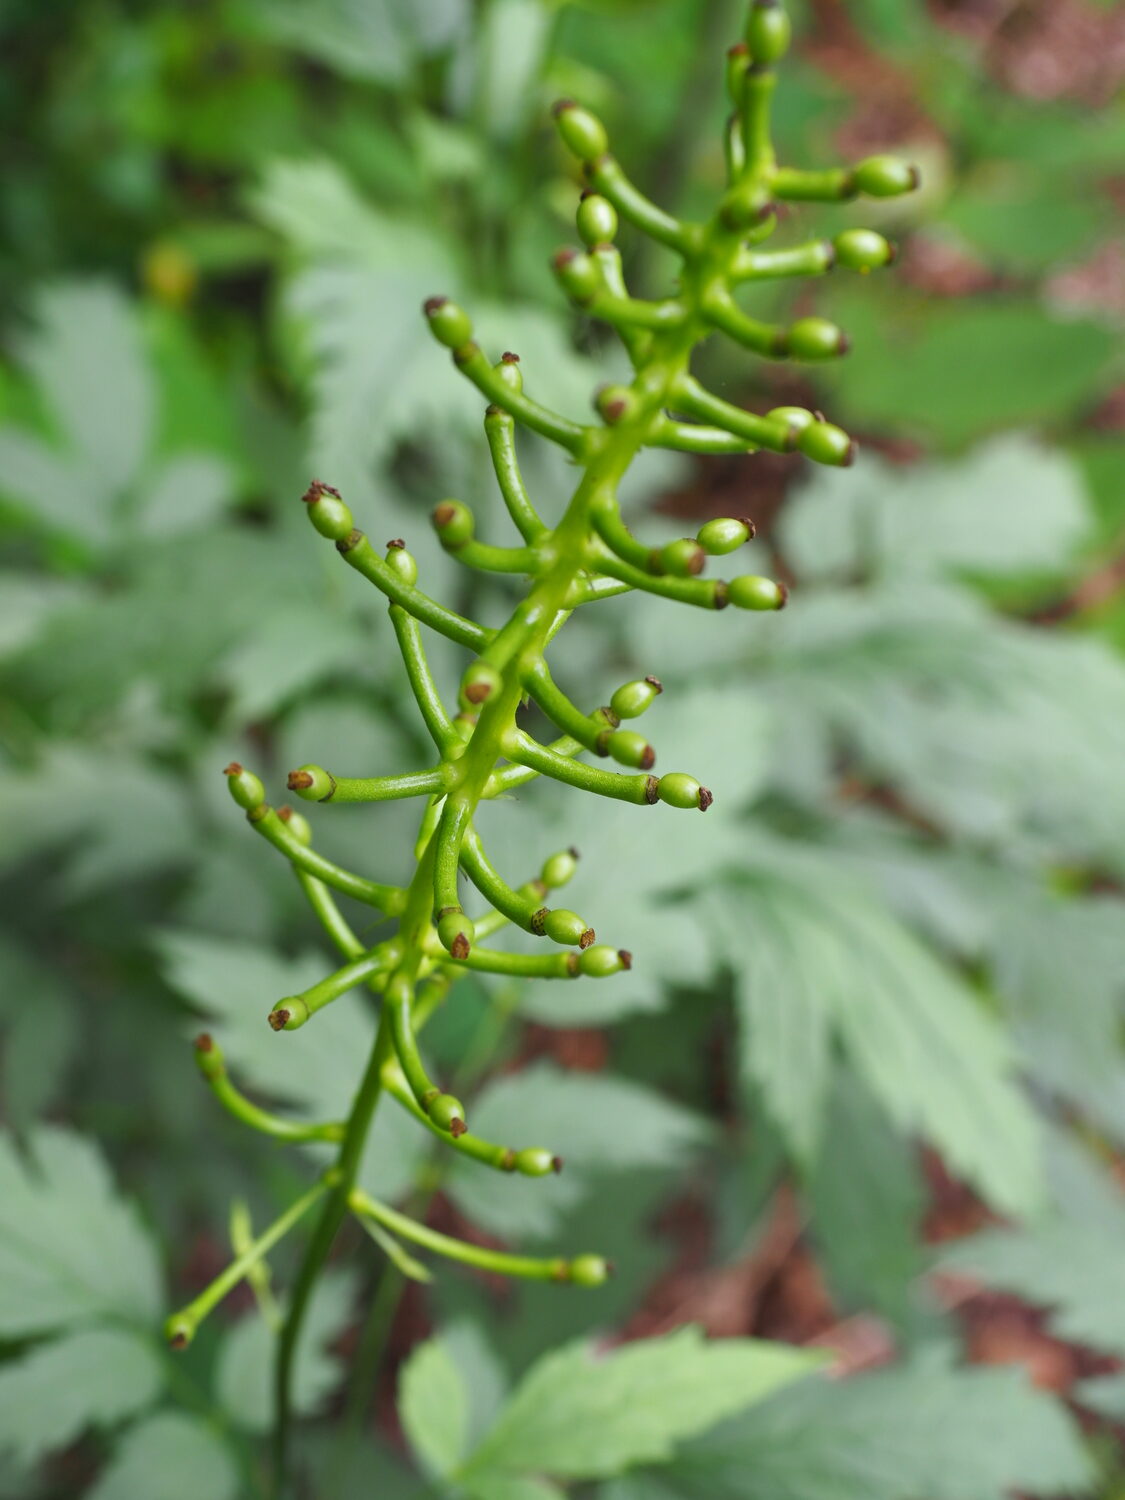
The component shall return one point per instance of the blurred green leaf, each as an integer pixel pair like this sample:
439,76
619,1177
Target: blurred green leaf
190,1460
92,1378
37,1023
433,1406
580,1417
71,1249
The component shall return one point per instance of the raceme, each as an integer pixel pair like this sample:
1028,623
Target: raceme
588,556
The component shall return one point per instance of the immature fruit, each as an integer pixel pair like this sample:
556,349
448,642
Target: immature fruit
449,324
826,444
815,338
596,220
578,275
480,681
724,534
683,558
327,511
751,592
453,523
599,961
448,1113
616,403
566,927
768,31
632,698
509,372
297,824
630,749
885,177
590,1270
534,1161
680,790
559,869
796,418
455,933
402,562
312,783
582,131
863,250
246,788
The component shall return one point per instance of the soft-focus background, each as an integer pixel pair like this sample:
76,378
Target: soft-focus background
864,1088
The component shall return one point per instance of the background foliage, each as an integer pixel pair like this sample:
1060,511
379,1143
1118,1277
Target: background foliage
863,1094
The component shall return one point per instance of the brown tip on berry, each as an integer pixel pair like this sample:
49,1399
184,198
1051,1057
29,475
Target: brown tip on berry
561,105
614,410
477,692
277,1019
587,938
652,790
234,769
572,965
179,1340
457,1127
492,410
444,514
850,456
203,1042
915,179
751,529
820,417
611,1268
433,305
556,1163
655,682
396,544
783,590
721,597
285,812
892,252
844,344
298,781
353,539
460,946
563,257
740,49
626,958
508,358
648,758
573,852
706,798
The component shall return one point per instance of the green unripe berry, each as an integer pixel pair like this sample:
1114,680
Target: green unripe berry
563,927
449,324
509,371
453,523
179,1331
630,749
297,824
815,338
447,1113
746,206
632,698
590,1270
683,558
246,788
600,961
826,444
724,534
559,869
578,274
289,1014
596,220
456,933
582,132
327,511
795,417
535,1161
401,562
208,1056
312,783
680,790
751,592
885,177
480,681
862,250
768,31
616,403
738,60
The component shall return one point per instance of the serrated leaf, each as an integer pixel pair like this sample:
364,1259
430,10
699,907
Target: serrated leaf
815,956
169,1457
946,1434
433,1406
288,651
88,1379
245,1368
71,1249
595,1122
188,492
366,38
40,1035
578,1416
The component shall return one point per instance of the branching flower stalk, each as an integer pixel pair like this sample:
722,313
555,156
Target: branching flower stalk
480,749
